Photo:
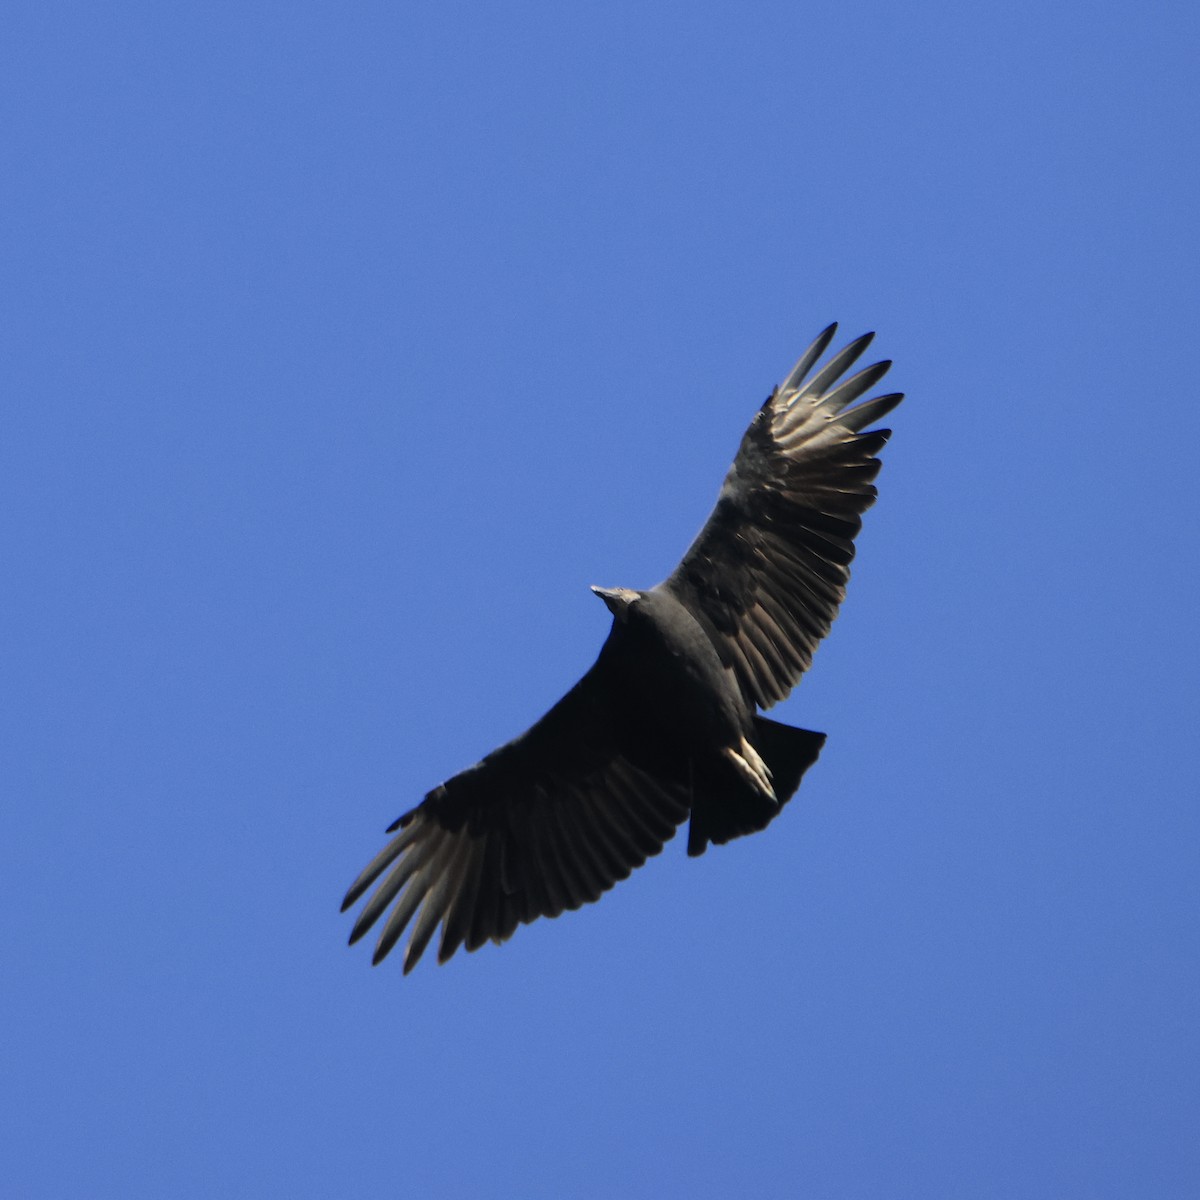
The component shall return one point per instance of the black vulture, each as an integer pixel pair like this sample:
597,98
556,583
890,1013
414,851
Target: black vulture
664,726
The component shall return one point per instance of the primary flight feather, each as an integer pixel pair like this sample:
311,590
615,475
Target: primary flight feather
664,726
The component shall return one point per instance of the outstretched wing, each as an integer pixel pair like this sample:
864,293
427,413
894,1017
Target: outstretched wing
766,574
548,822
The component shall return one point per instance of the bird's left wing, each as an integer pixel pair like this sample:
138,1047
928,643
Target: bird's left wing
766,574
548,822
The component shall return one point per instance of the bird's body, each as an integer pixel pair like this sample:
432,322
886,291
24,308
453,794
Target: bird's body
680,716
665,724
673,688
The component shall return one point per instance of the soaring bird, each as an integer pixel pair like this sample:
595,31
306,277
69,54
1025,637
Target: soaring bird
665,724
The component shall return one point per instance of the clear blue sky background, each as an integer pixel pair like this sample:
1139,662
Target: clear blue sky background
344,345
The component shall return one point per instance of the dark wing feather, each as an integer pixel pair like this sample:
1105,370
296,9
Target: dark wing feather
768,571
546,823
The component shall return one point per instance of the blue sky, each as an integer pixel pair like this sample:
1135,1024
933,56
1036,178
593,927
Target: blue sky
344,346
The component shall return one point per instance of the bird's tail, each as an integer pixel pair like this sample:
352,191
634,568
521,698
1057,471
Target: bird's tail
728,810
788,752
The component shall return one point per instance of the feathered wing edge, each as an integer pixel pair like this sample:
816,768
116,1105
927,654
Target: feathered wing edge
547,823
768,572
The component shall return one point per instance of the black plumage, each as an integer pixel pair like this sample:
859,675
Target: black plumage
665,724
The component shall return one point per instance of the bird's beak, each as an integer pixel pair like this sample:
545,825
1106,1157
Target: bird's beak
615,599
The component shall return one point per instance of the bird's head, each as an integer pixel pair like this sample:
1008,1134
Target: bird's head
618,600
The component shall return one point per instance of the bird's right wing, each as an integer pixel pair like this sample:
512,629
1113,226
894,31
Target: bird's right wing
548,822
766,574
